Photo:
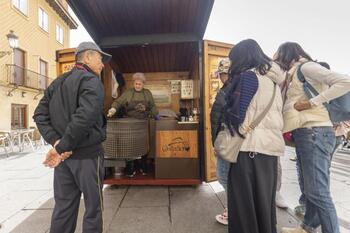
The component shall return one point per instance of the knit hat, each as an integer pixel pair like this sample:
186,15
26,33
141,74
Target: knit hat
139,76
223,66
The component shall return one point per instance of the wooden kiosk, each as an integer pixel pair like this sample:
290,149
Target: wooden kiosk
163,39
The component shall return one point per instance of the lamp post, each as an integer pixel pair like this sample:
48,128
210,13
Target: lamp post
13,41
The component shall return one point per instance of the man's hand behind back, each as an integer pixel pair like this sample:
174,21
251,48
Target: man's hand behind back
53,159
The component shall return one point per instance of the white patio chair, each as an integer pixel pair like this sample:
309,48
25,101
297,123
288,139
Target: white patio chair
4,142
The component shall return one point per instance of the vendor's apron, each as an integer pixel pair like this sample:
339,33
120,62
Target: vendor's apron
137,109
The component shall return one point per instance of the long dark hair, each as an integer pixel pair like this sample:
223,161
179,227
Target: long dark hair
290,52
246,55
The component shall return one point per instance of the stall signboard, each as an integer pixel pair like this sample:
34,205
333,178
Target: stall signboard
177,144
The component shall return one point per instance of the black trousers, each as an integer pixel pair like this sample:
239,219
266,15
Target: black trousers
251,191
71,178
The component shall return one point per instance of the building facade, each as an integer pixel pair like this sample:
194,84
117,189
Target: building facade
42,27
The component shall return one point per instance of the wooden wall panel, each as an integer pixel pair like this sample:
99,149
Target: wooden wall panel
161,78
194,74
213,52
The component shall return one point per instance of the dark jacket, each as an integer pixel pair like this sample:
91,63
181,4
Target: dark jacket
72,110
217,112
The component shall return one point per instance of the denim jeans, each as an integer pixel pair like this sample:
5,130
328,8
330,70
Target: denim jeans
222,170
338,141
314,147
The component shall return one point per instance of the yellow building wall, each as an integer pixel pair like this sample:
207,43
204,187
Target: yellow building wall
37,44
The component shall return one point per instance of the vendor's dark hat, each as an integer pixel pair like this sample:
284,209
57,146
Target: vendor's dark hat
92,46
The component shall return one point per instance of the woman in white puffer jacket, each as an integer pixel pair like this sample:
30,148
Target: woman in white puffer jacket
312,130
252,179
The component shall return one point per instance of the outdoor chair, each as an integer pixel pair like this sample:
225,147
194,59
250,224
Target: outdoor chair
5,142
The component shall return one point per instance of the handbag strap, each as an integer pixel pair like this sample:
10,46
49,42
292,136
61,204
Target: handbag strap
309,90
257,121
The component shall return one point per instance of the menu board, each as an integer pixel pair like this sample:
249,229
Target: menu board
66,67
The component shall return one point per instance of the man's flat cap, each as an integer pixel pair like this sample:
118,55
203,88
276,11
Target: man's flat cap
92,46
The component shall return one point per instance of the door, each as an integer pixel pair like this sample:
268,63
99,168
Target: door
18,116
42,74
19,67
213,52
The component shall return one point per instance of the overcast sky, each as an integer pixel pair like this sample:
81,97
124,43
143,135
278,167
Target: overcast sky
321,27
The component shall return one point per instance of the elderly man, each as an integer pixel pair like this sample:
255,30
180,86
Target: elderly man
137,102
70,117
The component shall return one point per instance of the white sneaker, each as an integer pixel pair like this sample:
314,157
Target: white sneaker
280,202
293,230
222,218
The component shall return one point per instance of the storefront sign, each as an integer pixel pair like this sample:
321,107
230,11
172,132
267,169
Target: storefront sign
177,144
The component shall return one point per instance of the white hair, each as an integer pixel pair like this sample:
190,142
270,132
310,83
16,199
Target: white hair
139,76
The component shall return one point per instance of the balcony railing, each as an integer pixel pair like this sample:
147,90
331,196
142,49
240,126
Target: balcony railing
20,76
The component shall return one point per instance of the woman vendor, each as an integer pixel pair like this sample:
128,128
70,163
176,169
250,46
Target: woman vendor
137,102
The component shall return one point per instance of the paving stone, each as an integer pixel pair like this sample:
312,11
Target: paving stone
111,199
38,222
222,197
146,196
141,220
202,186
285,218
10,204
194,211
44,202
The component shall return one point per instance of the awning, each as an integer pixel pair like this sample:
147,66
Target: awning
114,23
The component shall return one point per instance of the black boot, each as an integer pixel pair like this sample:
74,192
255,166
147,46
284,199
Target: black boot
130,169
143,165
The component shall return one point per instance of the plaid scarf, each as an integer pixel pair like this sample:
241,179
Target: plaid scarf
240,93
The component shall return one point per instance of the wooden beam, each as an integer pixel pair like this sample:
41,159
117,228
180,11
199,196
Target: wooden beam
117,41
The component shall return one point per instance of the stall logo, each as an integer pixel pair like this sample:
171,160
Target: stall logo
177,144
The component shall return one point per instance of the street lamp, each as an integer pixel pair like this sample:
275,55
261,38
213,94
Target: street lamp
13,41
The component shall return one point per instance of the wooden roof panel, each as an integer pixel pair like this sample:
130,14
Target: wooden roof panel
106,18
154,58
